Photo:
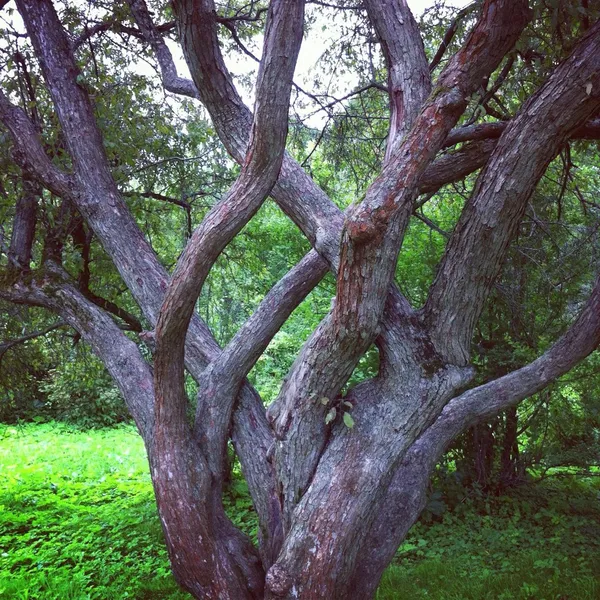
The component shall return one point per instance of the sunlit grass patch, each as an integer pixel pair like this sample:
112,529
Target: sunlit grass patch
78,521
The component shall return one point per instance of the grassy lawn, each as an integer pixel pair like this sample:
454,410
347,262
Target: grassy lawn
77,521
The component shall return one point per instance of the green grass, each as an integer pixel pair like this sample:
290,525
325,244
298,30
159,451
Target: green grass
78,521
77,517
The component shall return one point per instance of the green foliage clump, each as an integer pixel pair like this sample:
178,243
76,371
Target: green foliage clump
540,542
77,517
83,394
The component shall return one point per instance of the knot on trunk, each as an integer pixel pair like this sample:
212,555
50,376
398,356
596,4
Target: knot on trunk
278,580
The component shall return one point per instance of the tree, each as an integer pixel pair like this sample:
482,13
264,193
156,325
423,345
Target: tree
336,481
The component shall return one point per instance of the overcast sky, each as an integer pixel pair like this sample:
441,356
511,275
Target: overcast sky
312,48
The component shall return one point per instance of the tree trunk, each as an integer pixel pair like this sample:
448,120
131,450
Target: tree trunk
509,459
334,501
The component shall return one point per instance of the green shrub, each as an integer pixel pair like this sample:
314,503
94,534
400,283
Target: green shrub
82,393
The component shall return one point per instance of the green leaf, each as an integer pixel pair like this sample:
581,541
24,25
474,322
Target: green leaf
348,420
330,416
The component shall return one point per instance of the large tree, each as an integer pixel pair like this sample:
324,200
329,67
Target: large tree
336,481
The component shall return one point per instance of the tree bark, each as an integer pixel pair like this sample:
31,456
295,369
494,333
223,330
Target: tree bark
333,502
23,233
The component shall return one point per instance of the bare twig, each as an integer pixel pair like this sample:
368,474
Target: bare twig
7,345
449,35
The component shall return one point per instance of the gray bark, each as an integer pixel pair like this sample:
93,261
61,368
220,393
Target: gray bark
325,494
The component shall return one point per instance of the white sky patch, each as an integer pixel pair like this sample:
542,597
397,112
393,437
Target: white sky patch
323,34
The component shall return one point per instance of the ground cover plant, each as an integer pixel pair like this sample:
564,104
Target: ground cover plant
78,521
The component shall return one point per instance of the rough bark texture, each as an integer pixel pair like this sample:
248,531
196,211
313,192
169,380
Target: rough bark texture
23,233
493,211
333,503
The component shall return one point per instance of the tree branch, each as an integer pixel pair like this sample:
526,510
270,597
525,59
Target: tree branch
223,378
449,35
115,25
409,82
172,82
8,344
52,289
406,495
28,150
23,231
111,307
484,131
260,171
490,217
370,244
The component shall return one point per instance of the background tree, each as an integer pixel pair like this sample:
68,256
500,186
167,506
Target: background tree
336,480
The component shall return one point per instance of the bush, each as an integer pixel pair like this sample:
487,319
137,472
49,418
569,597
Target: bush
82,393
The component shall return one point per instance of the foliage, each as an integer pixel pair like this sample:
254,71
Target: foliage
81,393
539,541
78,516
78,521
24,367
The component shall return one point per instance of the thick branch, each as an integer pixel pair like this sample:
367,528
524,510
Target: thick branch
282,43
29,152
491,216
223,378
409,81
455,166
172,82
283,36
485,131
23,232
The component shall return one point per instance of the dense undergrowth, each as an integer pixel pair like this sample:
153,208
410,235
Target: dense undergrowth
78,521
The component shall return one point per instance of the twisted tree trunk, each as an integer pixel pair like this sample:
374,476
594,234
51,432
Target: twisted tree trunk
334,502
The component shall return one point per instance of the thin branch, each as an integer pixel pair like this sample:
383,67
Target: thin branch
178,202
335,6
316,145
449,35
239,17
118,27
162,198
162,161
7,345
431,224
490,94
109,306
